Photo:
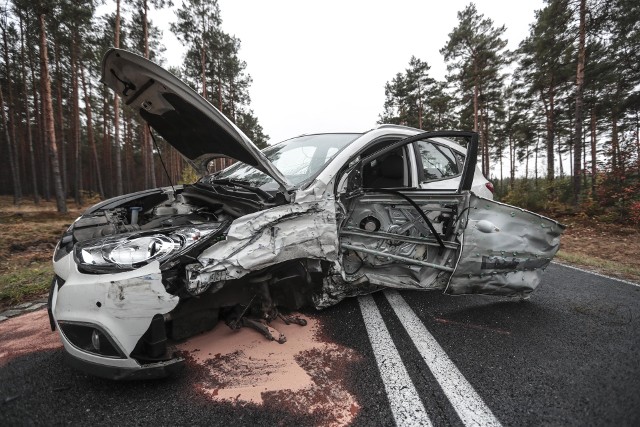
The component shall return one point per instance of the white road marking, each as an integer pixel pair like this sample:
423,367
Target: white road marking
467,403
406,406
596,274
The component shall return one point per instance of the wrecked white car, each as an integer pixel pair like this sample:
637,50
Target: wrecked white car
307,222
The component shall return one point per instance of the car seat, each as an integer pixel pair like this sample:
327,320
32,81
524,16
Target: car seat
391,172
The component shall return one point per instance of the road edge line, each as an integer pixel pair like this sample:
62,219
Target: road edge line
595,273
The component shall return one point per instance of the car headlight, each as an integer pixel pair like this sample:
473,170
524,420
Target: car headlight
130,251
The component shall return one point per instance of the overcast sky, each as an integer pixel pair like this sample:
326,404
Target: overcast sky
321,66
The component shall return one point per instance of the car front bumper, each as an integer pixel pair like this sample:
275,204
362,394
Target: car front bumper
142,372
121,306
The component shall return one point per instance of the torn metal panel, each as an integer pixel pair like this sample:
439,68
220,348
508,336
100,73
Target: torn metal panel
505,249
389,243
259,240
335,289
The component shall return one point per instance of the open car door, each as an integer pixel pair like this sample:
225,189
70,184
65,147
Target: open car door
395,234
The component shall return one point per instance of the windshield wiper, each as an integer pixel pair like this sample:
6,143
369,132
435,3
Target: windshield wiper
243,184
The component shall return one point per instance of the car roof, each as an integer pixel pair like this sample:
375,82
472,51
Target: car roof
444,141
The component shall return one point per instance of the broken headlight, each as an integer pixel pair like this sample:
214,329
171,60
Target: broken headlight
127,252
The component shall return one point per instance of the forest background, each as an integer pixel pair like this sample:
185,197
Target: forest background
569,95
558,117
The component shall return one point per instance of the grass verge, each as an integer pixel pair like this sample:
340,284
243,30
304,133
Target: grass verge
28,235
24,283
603,266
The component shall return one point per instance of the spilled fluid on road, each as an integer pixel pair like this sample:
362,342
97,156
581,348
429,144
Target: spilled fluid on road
304,376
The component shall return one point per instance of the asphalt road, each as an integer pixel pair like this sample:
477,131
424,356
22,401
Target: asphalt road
568,356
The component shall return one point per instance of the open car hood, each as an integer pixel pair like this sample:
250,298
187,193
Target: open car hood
186,120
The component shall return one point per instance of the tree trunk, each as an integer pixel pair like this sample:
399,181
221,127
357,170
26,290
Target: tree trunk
550,129
90,134
594,165
116,113
219,90
127,144
61,126
475,95
10,150
501,167
551,135
561,169
512,162
484,128
77,152
38,114
577,146
60,121
638,139
50,131
106,145
10,131
536,160
147,137
585,167
614,142
34,178
203,62
484,149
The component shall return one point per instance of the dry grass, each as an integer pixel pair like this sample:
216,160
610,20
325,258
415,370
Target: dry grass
28,235
610,268
609,248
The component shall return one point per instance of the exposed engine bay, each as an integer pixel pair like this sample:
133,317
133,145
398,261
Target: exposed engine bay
130,231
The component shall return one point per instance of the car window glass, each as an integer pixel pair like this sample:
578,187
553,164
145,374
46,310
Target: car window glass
330,153
460,158
438,161
298,159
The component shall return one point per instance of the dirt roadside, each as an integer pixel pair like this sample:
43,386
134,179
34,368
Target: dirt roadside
29,233
28,236
607,248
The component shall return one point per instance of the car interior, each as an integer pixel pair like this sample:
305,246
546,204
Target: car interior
387,171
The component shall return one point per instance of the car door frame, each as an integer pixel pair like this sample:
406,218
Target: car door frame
354,190
468,170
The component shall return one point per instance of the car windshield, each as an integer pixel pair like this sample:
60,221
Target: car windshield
299,159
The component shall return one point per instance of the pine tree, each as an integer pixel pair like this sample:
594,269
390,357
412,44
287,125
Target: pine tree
8,114
545,64
475,54
116,111
213,67
48,114
415,99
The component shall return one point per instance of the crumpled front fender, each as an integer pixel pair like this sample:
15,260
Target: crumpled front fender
262,239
